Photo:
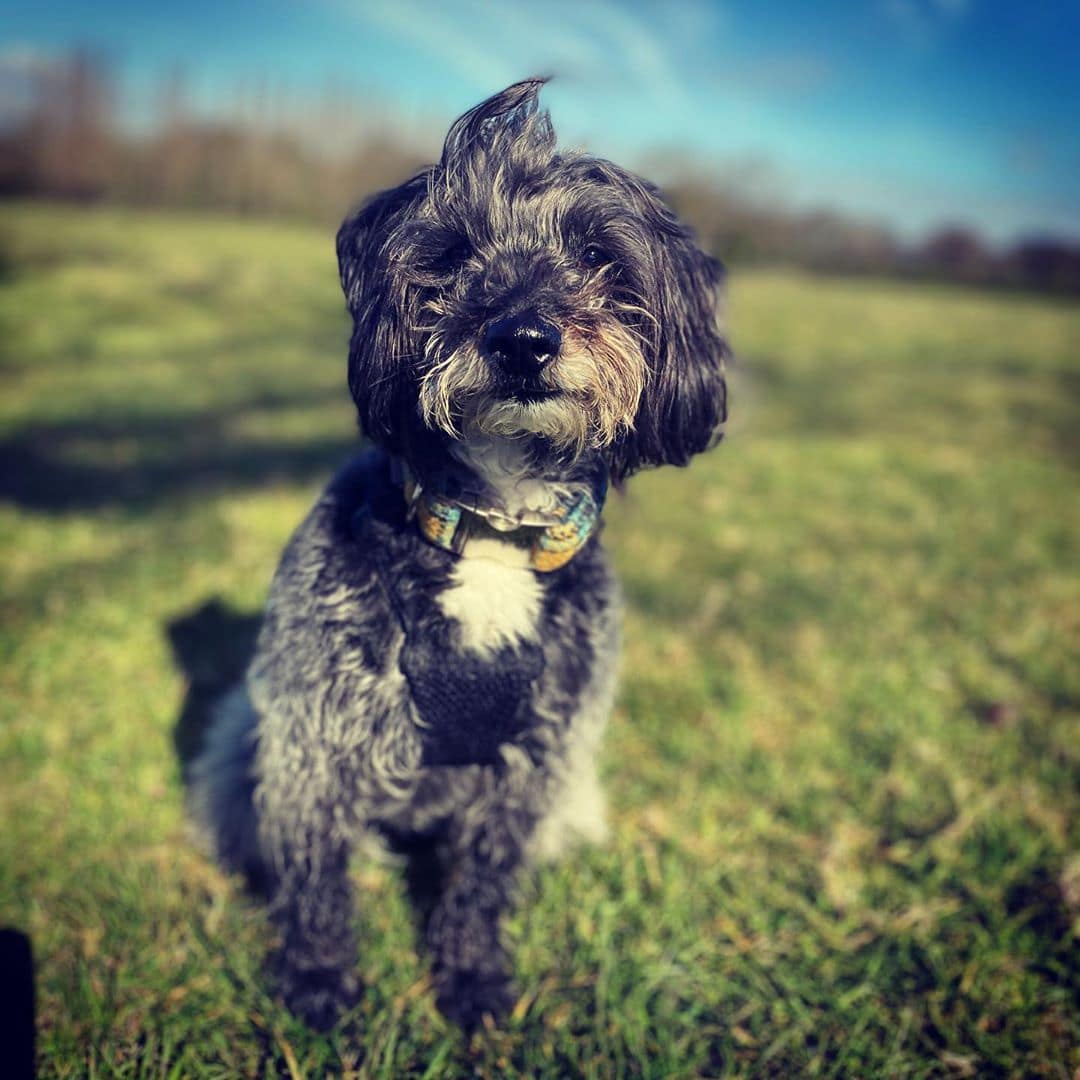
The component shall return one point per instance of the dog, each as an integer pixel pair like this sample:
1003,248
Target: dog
438,654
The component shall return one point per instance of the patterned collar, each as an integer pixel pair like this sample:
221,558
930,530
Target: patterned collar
552,537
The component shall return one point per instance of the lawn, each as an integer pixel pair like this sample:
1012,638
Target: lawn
843,769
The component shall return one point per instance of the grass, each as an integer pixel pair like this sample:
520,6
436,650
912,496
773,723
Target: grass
844,765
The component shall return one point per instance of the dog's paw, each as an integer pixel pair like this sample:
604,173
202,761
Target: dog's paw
319,996
466,997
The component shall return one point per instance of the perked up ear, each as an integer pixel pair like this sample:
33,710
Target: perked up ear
504,116
685,401
379,382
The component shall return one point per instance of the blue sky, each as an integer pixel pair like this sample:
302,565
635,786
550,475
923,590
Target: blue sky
913,112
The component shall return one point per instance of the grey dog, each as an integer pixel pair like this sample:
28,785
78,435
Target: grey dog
438,654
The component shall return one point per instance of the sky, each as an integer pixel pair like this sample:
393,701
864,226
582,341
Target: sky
914,113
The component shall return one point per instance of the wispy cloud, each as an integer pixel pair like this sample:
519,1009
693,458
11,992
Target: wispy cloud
643,55
777,74
433,31
922,23
20,59
489,45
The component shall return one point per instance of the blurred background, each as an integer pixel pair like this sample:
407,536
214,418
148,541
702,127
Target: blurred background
922,137
844,763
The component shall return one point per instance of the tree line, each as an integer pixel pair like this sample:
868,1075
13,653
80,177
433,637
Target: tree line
61,137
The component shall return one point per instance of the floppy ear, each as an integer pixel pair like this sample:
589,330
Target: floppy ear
379,378
364,232
685,400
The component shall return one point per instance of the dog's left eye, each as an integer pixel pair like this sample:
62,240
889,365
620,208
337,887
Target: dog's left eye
456,253
593,256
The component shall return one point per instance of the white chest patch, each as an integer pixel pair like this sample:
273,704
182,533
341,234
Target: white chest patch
494,596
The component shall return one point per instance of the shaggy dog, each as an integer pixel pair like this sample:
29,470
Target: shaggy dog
438,654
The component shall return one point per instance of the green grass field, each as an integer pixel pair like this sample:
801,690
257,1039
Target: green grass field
844,765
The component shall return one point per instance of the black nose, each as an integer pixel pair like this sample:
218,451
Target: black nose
522,344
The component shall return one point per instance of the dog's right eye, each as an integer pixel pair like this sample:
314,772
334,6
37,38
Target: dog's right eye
456,253
593,256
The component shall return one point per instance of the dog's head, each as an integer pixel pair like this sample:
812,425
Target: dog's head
513,290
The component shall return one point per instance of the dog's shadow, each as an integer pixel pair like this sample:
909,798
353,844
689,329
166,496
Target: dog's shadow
212,647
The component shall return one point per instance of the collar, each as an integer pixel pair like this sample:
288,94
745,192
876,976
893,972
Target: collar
552,537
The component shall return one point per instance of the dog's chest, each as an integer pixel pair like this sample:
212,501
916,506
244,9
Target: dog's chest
494,599
474,663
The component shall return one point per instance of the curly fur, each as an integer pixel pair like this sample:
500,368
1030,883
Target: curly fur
451,703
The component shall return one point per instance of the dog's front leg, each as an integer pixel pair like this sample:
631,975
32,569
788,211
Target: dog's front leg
471,966
320,773
312,910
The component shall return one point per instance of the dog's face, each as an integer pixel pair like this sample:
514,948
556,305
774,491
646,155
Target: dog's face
516,291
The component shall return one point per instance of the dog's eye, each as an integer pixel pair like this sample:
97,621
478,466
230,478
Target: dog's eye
456,253
593,256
